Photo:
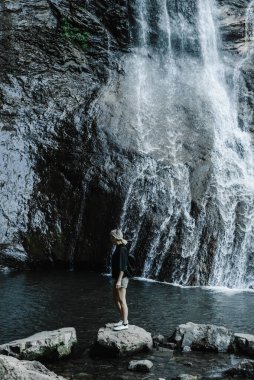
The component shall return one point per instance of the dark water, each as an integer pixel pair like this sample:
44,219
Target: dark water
33,302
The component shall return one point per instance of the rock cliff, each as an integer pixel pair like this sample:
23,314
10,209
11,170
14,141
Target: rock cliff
50,83
68,168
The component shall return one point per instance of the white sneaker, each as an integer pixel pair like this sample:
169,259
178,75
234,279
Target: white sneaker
121,327
119,323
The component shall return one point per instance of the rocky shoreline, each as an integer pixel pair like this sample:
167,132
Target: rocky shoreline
187,338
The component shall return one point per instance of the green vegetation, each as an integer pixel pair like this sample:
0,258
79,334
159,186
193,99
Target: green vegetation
74,33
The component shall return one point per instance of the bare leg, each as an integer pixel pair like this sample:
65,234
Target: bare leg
122,300
117,302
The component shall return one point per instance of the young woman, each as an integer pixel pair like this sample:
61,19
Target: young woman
119,265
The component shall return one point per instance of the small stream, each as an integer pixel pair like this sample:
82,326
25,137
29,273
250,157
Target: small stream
33,302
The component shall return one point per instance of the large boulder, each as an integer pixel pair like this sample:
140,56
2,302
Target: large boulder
14,369
122,343
44,345
203,337
244,343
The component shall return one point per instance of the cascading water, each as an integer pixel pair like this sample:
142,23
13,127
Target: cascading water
189,209
233,175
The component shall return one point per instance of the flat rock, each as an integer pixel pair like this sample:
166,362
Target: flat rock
44,345
140,365
14,369
244,343
122,343
203,337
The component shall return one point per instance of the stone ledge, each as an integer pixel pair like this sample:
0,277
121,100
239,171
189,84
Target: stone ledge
45,345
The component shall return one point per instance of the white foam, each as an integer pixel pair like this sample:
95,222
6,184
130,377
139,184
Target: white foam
217,289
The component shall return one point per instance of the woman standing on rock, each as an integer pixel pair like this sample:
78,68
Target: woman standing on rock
119,266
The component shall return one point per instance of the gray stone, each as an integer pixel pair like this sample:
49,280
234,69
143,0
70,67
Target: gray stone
140,365
203,337
159,338
243,370
14,369
44,345
244,343
122,343
160,343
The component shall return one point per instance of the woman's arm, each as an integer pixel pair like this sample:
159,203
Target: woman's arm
118,283
123,260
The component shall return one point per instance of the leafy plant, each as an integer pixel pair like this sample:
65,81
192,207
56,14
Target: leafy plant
74,33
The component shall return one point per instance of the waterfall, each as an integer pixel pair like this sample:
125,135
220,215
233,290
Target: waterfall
189,207
233,175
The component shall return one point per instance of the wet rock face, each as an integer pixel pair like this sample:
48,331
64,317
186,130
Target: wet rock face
49,81
232,24
116,17
66,169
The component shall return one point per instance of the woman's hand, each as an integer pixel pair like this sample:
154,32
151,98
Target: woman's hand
118,284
